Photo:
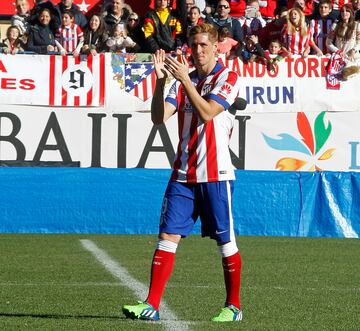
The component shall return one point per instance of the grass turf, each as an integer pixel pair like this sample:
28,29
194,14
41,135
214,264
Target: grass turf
49,282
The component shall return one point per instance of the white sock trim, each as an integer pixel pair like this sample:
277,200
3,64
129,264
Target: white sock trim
228,249
167,246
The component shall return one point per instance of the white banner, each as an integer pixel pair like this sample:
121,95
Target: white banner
51,80
123,83
289,141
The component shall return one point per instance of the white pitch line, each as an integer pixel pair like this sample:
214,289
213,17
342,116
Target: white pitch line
168,318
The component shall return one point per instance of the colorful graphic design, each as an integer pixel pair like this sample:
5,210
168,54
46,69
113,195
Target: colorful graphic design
117,65
140,80
310,145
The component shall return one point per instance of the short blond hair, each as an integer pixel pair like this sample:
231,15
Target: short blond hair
204,28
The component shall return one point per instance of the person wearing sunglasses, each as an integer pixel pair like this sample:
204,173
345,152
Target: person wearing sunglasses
223,19
135,32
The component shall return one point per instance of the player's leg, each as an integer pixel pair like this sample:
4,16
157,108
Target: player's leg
177,220
217,222
162,266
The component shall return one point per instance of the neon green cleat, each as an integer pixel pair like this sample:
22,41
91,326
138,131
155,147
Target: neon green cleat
142,310
229,314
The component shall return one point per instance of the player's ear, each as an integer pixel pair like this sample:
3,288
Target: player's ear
215,45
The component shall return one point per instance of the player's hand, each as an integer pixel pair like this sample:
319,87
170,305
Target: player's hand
159,64
179,69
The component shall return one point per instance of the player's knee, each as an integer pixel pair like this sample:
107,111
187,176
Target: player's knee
228,249
171,237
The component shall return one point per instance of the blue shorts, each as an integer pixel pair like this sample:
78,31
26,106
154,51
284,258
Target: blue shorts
183,203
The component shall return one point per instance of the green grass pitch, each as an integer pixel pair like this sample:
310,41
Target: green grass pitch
50,282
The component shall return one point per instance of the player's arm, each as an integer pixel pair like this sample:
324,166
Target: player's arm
161,110
205,109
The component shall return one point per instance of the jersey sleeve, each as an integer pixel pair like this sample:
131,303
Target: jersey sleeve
226,89
172,96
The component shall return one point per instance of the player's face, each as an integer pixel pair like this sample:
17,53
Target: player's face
94,23
203,50
44,18
324,10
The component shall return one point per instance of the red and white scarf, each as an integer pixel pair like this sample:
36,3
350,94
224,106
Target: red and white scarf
334,69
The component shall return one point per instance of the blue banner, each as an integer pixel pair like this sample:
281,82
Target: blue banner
128,201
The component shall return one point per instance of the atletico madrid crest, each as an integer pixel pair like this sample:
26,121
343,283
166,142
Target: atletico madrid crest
140,79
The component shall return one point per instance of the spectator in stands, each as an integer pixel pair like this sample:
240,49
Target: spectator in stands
95,36
275,54
136,33
79,17
345,35
194,18
41,39
252,51
227,45
252,22
267,9
13,43
119,40
70,36
356,7
222,19
163,30
336,6
321,25
297,36
189,4
55,15
201,4
272,30
118,13
307,6
21,18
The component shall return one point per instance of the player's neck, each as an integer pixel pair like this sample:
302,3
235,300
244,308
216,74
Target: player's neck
204,70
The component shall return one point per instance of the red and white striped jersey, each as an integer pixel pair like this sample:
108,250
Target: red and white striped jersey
320,29
295,43
337,4
69,37
203,150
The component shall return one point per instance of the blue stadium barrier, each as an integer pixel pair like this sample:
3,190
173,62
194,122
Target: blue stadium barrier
128,201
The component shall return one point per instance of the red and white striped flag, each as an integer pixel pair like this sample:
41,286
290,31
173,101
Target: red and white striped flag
77,81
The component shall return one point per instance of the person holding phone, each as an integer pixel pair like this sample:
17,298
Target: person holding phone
252,22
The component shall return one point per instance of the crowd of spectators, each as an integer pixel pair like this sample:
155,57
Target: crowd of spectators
264,30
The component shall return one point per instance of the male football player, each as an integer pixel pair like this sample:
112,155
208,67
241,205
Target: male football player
201,183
